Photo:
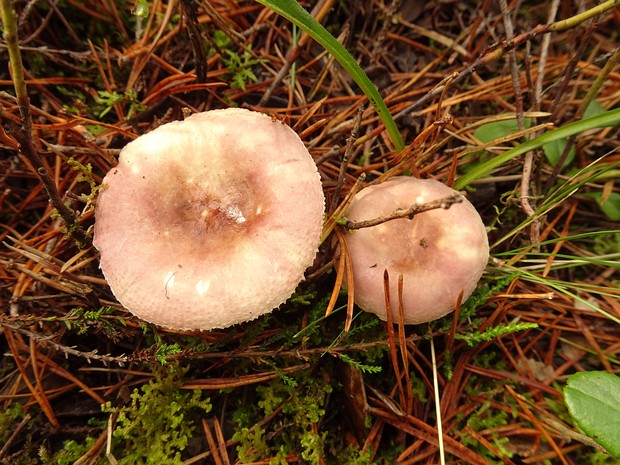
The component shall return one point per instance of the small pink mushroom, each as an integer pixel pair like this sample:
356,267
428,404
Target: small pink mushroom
210,221
440,253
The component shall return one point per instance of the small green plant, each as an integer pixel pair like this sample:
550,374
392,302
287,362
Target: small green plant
107,100
86,175
156,426
372,369
239,65
8,418
608,242
162,350
599,458
475,338
240,68
140,9
70,453
82,321
609,204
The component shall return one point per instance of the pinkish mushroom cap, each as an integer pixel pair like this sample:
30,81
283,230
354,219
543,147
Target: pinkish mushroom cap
210,221
440,252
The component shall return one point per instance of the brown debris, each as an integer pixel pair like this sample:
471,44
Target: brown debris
442,70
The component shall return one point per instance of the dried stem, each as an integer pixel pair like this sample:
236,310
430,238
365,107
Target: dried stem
529,157
498,50
48,340
190,13
346,157
23,135
9,20
408,213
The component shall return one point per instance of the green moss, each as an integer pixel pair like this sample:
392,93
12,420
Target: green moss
69,454
488,420
599,458
8,419
155,427
295,428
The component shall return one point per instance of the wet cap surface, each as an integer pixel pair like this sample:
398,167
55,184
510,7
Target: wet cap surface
439,252
210,221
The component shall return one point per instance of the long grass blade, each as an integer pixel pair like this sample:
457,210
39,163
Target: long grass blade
296,14
609,118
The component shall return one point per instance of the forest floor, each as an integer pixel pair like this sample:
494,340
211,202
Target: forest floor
82,381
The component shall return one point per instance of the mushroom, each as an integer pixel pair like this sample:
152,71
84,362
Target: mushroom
210,221
440,253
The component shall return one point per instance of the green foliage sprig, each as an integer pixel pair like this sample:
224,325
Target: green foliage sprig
475,338
364,368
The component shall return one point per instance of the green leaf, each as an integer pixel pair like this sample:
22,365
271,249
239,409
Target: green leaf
594,108
611,206
553,152
610,117
295,13
491,131
593,400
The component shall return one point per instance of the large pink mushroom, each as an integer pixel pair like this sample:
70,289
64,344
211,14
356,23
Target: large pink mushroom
440,253
210,221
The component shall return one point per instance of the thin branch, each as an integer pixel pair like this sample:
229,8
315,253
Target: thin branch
494,53
576,20
498,50
346,157
50,342
528,162
190,13
408,213
23,135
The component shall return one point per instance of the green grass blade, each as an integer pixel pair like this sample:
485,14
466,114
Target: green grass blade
556,197
563,287
609,118
295,13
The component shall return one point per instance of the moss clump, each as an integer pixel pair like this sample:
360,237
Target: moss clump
155,427
300,403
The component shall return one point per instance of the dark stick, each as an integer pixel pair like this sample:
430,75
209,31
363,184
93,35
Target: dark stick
408,213
193,31
345,159
23,135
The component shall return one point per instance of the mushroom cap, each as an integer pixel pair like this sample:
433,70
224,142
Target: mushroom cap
439,252
210,221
